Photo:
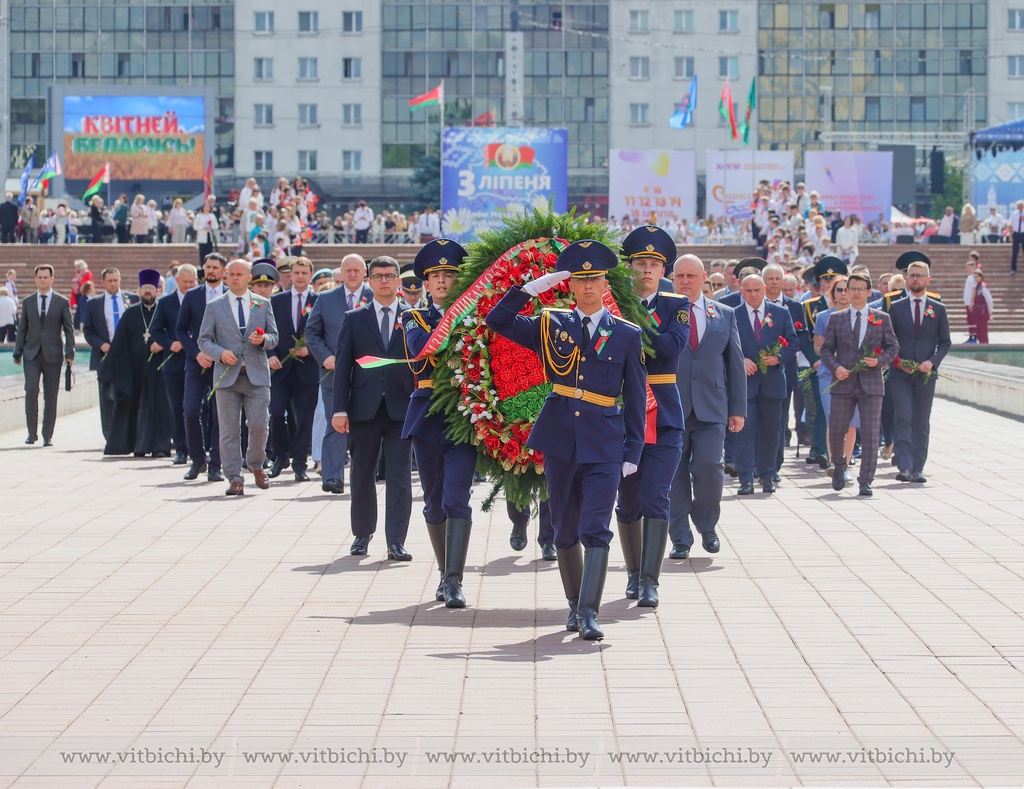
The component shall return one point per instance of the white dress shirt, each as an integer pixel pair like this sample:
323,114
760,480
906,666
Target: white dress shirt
246,299
995,223
298,299
595,320
700,316
393,314
362,218
863,322
428,225
761,310
1017,221
108,310
39,303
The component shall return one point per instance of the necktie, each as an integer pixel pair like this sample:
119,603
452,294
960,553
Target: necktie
586,332
694,339
757,327
385,326
298,310
117,313
42,311
351,301
917,314
856,327
241,316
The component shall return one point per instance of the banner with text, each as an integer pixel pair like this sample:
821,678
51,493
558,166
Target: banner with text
485,170
852,182
652,186
142,137
732,177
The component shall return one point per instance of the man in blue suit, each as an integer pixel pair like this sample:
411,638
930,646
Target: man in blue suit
102,314
165,339
769,341
712,385
294,374
322,330
202,431
646,494
588,441
445,468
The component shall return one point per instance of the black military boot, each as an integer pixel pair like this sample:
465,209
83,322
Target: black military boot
570,568
630,538
595,570
456,546
651,556
436,533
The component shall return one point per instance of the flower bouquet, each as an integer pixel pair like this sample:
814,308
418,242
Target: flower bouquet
772,350
866,353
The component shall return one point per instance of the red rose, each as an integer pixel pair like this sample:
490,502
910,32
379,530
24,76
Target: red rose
259,332
897,361
527,308
878,351
511,449
492,442
798,326
473,374
547,297
783,342
551,258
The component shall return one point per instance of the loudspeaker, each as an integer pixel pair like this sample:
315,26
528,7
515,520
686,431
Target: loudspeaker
938,164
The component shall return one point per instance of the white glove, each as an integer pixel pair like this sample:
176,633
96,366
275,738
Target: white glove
628,468
545,283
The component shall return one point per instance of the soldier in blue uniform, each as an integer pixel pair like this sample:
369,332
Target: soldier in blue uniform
588,440
646,493
445,468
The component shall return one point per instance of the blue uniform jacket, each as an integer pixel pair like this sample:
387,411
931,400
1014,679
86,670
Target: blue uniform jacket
305,369
596,433
772,383
165,331
669,337
418,325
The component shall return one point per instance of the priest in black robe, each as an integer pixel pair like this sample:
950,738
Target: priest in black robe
141,420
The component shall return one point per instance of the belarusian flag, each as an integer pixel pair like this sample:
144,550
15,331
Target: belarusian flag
97,183
751,106
433,98
725,109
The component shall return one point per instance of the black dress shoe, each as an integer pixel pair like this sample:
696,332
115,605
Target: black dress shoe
301,476
335,486
776,479
518,539
47,442
747,489
865,490
918,477
359,546
811,459
276,468
679,551
180,460
710,541
214,475
31,440
195,470
839,477
397,553
767,486
547,551
730,469
903,476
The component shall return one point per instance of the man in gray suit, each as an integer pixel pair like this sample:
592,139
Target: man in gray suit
45,316
712,384
237,331
322,329
854,334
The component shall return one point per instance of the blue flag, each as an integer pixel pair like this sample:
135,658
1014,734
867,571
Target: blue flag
683,115
24,179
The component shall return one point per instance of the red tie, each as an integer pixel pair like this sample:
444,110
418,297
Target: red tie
917,314
694,339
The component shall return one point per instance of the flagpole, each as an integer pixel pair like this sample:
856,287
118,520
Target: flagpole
107,168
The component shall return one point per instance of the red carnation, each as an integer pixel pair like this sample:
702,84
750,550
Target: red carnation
897,361
798,326
259,332
878,351
783,342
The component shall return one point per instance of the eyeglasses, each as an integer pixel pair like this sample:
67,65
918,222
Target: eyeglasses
839,290
383,277
917,276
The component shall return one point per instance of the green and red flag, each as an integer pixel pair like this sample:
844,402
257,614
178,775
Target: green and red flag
751,106
725,109
98,182
432,98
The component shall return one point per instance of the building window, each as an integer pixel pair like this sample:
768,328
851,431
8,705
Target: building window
351,68
872,16
307,68
1015,110
1017,19
917,105
684,67
351,21
1016,65
826,16
639,22
729,66
966,61
640,68
684,21
263,69
307,161
263,161
872,109
352,114
264,22
309,21
124,64
352,161
264,114
308,115
728,21
640,114
77,64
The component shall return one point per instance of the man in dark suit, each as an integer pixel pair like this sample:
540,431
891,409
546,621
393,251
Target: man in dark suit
8,219
202,432
769,341
45,316
371,404
713,389
774,277
165,339
922,330
102,314
294,375
322,330
855,334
